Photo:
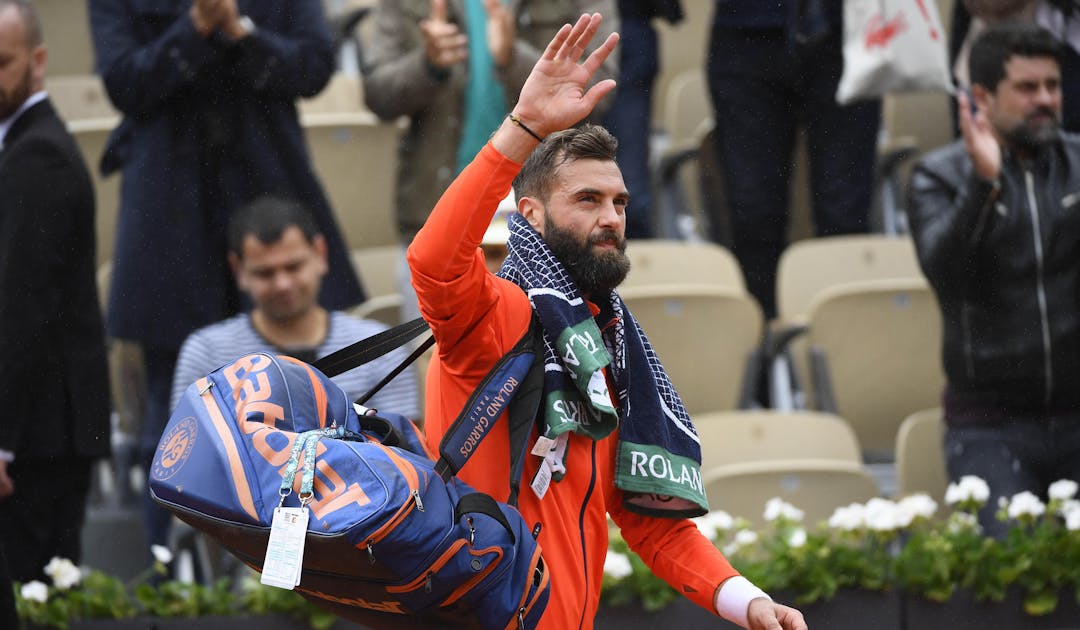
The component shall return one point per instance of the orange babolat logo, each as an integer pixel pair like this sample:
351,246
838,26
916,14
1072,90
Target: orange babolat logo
257,418
175,449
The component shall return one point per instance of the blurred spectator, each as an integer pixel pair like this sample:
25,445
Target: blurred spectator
773,66
207,89
994,222
279,259
454,67
53,378
1060,17
630,117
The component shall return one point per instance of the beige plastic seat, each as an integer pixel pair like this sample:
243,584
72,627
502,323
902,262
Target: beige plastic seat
664,261
875,352
80,97
816,486
378,268
732,437
687,109
809,266
382,308
705,336
355,158
920,455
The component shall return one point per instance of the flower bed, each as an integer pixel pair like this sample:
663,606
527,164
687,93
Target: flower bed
905,550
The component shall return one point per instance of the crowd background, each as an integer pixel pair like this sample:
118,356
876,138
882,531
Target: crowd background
355,156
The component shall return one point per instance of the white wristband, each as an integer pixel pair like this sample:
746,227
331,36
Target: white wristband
733,599
6,456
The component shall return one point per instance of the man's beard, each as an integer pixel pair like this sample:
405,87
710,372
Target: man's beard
1032,135
594,274
11,101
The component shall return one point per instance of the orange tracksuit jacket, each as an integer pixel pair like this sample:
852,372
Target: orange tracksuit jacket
476,318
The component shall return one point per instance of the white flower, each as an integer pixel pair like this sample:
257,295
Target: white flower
778,508
35,592
920,505
969,488
617,565
963,521
161,554
714,522
1026,504
849,518
1071,511
742,538
63,573
881,515
1062,489
797,538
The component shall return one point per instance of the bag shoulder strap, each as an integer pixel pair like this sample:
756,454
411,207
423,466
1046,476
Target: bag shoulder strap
515,384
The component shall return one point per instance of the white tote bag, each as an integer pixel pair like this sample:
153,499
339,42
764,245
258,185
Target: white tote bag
892,46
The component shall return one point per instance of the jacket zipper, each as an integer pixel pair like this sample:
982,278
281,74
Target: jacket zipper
1040,287
581,522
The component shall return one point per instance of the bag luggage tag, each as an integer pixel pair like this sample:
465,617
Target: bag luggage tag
284,561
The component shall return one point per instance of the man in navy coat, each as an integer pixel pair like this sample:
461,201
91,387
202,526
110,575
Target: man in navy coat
208,90
54,393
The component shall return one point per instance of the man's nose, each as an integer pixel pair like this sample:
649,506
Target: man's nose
612,215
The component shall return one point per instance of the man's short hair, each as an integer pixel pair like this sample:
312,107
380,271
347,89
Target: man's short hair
993,48
588,142
266,219
31,22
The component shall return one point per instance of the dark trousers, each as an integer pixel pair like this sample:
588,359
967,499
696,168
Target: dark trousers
763,88
630,119
159,376
1021,453
44,517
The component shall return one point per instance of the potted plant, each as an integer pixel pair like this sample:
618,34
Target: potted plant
892,564
87,599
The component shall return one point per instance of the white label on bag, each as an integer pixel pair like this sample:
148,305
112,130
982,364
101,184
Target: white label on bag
285,551
543,446
541,480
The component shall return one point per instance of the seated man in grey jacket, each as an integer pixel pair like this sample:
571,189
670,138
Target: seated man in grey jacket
997,231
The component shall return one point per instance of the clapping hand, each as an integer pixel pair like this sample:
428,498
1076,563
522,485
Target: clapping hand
979,139
444,43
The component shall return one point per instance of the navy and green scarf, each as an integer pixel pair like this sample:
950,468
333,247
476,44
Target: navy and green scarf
659,454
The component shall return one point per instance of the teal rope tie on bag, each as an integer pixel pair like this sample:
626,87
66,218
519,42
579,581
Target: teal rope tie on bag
306,442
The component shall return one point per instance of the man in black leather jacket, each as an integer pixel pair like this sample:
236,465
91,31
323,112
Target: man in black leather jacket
996,222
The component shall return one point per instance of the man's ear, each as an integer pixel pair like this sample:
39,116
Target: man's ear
38,58
234,264
981,97
321,251
532,210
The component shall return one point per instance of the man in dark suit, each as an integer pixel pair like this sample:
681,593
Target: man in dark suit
54,406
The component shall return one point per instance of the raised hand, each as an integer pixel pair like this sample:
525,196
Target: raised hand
554,95
979,139
444,43
501,32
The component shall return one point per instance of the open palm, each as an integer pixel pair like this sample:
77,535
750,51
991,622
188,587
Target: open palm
554,95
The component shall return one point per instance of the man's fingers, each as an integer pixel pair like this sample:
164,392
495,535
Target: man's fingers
556,43
566,50
438,10
597,92
582,42
600,55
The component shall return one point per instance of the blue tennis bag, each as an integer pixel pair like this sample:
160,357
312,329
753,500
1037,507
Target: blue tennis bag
394,540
